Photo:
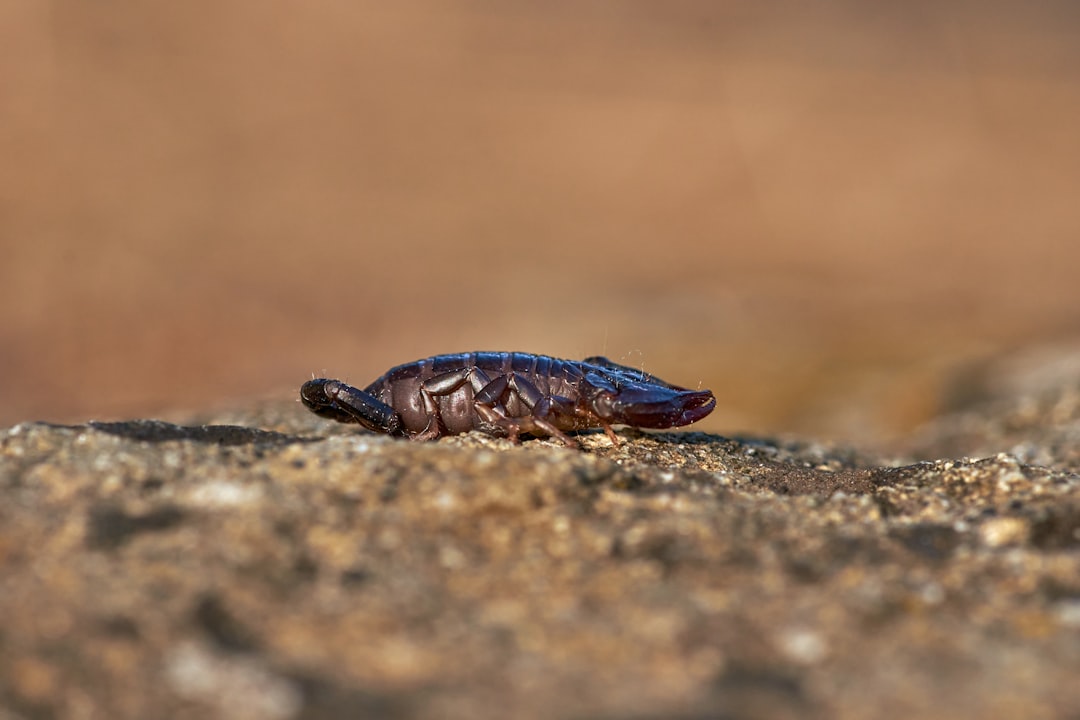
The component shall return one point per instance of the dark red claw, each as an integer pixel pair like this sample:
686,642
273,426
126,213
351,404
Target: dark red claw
662,407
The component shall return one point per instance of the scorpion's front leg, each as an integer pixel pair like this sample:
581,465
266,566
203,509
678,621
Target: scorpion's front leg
554,405
335,400
493,400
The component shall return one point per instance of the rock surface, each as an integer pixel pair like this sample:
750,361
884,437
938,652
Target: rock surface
307,570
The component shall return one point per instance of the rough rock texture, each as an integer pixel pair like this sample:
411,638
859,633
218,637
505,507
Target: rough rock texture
306,570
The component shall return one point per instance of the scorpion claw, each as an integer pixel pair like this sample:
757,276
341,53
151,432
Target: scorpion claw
662,407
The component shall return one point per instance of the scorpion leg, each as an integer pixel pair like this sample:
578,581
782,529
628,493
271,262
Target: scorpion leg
493,402
493,392
547,407
434,428
573,409
555,404
487,401
440,385
447,382
526,424
498,419
527,393
513,391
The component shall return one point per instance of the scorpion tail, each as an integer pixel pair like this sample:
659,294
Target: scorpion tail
335,400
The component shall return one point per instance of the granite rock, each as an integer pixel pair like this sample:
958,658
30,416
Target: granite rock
268,564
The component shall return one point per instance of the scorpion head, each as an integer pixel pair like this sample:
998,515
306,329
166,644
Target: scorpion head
631,399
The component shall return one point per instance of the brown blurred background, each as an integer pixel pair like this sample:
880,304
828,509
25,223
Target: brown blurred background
824,212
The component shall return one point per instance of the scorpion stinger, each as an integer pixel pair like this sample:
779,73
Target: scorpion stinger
335,400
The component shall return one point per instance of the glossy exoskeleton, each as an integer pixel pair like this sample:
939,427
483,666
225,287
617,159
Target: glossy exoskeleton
507,394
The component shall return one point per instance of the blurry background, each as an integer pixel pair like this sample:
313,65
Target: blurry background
825,212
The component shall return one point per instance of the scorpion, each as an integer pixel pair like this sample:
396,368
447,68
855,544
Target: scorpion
506,394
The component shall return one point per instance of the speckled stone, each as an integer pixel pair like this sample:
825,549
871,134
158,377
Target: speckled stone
308,570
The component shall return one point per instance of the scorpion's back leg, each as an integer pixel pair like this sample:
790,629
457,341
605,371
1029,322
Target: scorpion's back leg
442,385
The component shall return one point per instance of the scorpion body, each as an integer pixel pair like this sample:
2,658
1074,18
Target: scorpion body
507,394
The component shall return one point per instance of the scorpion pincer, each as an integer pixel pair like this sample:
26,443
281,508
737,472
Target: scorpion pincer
506,394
